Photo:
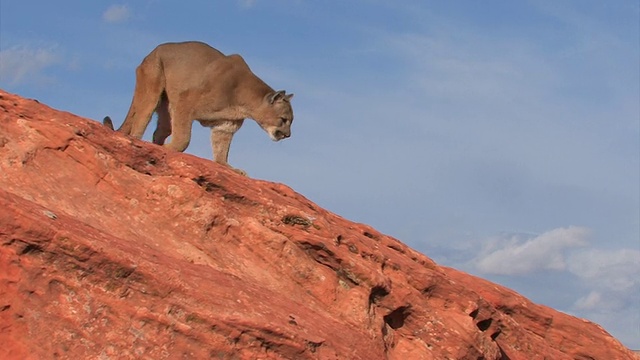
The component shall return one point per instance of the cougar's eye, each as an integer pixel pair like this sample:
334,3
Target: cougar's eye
283,121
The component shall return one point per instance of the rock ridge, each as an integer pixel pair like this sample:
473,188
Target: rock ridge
115,248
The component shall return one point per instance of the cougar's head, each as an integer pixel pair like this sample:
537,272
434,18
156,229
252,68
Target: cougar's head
275,115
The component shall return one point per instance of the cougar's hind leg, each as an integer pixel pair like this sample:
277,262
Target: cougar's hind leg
146,97
180,128
163,130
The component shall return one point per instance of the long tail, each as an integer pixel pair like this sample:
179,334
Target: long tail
107,122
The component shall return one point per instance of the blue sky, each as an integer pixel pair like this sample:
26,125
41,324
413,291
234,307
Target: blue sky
497,137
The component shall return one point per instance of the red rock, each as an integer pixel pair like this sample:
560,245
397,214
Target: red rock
114,248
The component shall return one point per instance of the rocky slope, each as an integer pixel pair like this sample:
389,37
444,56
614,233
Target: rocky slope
113,248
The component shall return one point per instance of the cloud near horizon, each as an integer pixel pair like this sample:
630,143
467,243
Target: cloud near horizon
607,270
610,278
606,282
23,64
513,256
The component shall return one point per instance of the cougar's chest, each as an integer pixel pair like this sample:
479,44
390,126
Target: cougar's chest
228,113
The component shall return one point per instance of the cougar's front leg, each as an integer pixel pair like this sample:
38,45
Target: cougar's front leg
221,135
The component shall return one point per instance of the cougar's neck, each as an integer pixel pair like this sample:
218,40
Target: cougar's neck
252,97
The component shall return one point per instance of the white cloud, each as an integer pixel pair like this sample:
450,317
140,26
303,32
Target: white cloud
544,252
21,64
605,282
589,302
606,302
611,270
611,278
116,13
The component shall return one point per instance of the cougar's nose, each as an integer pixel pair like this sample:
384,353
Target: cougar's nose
282,134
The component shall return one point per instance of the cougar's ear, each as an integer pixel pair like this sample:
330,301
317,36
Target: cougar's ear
288,97
276,96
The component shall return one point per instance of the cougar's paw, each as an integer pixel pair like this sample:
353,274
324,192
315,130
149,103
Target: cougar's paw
239,171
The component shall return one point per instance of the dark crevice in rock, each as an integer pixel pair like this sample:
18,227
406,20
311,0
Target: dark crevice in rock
123,272
377,293
320,253
211,187
207,185
397,317
474,313
584,357
503,356
429,290
483,325
240,199
313,345
370,235
30,249
396,247
143,166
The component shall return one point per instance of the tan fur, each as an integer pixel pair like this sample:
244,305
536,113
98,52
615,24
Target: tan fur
189,81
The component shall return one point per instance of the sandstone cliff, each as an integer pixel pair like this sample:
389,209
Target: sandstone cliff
113,248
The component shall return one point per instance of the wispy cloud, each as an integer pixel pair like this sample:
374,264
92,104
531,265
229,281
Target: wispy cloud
247,4
23,64
116,13
514,256
609,270
589,302
605,282
612,289
598,301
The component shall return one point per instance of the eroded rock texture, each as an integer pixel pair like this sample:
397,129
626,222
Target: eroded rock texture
113,248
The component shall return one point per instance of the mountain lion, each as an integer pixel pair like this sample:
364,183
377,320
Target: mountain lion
189,81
